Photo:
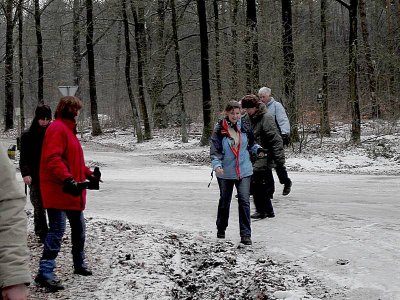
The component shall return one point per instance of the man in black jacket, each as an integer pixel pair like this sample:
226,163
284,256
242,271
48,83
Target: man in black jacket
29,163
268,137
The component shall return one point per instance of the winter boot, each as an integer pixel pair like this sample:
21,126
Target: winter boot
84,271
287,188
246,240
258,215
221,234
46,277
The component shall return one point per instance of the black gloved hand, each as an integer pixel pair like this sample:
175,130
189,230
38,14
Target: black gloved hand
286,139
95,179
74,188
261,152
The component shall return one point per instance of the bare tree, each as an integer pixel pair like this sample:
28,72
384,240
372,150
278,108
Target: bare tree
289,68
252,72
355,105
76,45
8,66
117,77
96,129
217,55
325,129
234,6
21,65
205,73
375,109
181,101
138,17
128,55
155,86
39,50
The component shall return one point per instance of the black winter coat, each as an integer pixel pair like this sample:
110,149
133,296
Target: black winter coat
31,151
268,137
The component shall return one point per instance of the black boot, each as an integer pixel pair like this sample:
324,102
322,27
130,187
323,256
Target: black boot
53,285
258,215
83,271
221,234
246,240
287,188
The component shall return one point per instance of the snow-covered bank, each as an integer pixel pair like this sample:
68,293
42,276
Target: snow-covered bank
144,262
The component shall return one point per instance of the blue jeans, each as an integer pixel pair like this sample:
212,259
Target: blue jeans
52,244
226,190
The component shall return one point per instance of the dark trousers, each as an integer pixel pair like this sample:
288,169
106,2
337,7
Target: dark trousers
57,224
282,174
39,213
263,188
226,190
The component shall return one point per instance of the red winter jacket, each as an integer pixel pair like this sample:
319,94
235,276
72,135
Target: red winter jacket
62,157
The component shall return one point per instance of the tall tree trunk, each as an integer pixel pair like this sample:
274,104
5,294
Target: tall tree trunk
117,77
289,68
234,6
96,130
354,101
205,73
181,101
39,51
375,109
8,67
76,47
355,106
252,72
128,57
314,62
217,56
140,39
325,127
157,82
391,50
21,66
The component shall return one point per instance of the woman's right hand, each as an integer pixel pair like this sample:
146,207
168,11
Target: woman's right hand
219,171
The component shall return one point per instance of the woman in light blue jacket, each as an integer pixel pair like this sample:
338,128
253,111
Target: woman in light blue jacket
231,142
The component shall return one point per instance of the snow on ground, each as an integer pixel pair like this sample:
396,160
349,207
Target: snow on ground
378,153
149,262
142,262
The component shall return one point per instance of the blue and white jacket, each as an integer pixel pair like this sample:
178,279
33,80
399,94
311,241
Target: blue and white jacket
235,161
276,110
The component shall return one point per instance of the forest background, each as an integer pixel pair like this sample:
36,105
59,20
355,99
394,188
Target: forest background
154,64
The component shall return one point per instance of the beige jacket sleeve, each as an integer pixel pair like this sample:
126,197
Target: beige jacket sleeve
14,255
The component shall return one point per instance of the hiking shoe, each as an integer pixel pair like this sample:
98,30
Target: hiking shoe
83,271
287,188
221,234
246,240
53,285
271,215
258,215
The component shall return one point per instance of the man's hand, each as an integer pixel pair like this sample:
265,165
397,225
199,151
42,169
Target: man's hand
261,153
286,139
27,180
15,292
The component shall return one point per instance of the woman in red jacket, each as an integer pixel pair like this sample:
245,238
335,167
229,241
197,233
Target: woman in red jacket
63,185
